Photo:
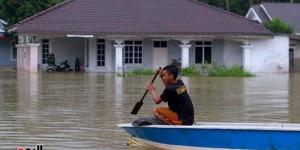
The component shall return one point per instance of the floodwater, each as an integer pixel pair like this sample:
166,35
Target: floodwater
69,111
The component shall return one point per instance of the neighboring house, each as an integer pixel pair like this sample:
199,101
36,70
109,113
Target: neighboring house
8,53
290,14
123,35
2,23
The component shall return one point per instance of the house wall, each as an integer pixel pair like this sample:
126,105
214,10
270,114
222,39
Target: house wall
109,56
223,53
147,57
217,52
297,56
6,54
232,53
67,49
267,55
174,52
270,55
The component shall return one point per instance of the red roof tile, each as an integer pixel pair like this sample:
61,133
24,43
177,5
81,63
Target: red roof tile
139,17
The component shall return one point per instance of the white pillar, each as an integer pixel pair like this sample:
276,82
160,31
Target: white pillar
247,64
119,56
185,53
33,57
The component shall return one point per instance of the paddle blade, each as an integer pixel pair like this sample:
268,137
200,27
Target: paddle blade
137,107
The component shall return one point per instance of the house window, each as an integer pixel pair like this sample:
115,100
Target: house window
45,50
13,51
203,52
133,52
160,44
100,52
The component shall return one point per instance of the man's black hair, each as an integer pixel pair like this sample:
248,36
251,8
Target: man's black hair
172,69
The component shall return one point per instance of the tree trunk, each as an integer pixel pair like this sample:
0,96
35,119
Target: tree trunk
291,1
227,5
251,2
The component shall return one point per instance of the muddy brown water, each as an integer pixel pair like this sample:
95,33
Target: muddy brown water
72,111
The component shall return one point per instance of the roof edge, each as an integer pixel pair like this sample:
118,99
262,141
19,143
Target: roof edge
248,12
43,12
3,22
266,12
159,35
253,11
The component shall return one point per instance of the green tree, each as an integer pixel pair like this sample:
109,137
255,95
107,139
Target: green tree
236,6
227,5
14,11
240,7
278,26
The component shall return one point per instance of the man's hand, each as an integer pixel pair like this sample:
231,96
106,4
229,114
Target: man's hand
152,90
150,86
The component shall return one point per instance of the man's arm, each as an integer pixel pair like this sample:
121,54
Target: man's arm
152,89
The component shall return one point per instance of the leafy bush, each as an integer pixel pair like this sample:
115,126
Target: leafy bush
215,71
235,71
137,72
143,72
203,70
189,71
278,26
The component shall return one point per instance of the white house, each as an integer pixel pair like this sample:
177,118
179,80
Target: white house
122,35
290,14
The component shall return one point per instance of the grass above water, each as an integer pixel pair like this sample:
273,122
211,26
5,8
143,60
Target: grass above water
137,72
204,70
215,71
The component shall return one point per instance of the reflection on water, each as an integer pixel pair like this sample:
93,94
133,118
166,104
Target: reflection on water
81,111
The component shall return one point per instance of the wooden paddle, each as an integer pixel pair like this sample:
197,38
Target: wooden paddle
139,104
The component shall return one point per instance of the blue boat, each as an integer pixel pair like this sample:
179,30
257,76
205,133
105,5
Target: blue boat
219,136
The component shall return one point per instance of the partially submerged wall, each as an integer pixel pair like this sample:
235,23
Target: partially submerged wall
297,56
270,55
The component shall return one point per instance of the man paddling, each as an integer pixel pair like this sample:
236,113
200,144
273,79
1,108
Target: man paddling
181,110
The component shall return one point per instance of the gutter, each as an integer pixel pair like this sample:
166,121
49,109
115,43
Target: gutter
160,36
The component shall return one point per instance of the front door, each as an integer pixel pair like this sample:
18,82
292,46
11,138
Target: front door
160,57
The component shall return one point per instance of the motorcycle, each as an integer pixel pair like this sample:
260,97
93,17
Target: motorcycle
59,68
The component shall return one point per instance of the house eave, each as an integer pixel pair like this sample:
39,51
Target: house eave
161,36
12,29
3,22
265,10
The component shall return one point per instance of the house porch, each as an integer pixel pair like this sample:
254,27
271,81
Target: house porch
110,55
